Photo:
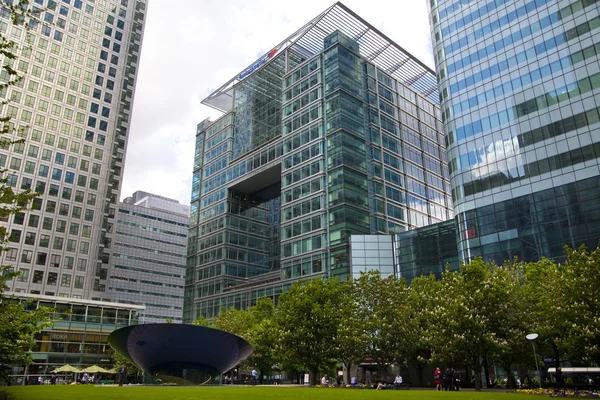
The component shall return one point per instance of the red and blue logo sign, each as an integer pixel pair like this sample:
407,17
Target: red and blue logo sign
257,64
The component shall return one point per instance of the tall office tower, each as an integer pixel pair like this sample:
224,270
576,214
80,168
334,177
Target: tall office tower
519,88
148,256
73,110
334,131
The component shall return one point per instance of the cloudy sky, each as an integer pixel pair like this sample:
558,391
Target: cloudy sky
192,47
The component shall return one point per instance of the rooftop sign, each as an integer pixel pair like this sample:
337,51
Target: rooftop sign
257,65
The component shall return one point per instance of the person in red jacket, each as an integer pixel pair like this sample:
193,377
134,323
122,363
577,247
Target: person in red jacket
437,377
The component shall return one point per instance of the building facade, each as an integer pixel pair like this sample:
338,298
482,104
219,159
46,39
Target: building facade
73,111
519,85
334,132
79,337
149,256
427,250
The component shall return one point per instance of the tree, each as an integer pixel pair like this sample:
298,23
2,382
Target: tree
201,320
577,301
511,323
17,330
308,317
542,283
120,360
421,300
17,326
474,314
263,335
351,341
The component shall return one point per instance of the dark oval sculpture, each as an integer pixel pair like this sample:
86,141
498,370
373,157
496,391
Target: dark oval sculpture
181,354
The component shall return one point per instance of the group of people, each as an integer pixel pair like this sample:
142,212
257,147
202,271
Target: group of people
448,381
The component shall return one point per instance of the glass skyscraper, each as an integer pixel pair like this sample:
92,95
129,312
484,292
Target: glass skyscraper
73,111
519,85
335,131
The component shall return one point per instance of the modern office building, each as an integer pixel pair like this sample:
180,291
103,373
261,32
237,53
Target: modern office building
409,254
79,337
73,111
149,256
519,85
427,250
335,131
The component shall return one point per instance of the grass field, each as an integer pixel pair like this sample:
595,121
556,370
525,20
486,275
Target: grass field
240,393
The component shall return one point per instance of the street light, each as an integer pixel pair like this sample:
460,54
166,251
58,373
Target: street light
532,337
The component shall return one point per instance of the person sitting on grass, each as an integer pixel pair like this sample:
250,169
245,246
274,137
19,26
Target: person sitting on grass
381,385
353,381
324,381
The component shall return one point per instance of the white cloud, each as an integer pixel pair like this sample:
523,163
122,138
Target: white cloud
192,47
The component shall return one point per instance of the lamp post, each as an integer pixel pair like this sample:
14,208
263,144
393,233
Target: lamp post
532,337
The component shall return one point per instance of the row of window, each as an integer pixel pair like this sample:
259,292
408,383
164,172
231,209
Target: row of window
525,32
538,103
527,78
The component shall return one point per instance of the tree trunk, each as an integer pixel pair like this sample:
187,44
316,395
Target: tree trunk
556,355
477,374
347,379
468,375
486,371
313,377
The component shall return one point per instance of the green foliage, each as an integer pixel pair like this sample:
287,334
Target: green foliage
17,327
120,360
201,320
308,317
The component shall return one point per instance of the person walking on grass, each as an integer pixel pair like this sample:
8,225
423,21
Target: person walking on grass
122,375
437,378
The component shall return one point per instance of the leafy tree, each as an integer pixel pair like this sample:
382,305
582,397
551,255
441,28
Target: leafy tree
17,330
578,302
422,301
511,323
308,317
351,341
119,360
542,280
263,336
17,326
472,309
201,320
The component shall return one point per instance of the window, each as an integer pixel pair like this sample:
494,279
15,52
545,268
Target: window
81,264
47,223
41,258
79,280
58,243
52,278
23,275
11,254
55,261
61,226
44,241
15,236
26,256
68,262
50,206
33,220
65,280
38,277
30,238
19,218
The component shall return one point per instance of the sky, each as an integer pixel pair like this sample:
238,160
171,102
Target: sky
192,47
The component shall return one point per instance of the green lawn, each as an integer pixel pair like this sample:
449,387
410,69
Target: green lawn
79,392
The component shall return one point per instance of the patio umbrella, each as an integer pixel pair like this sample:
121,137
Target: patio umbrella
66,368
94,369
